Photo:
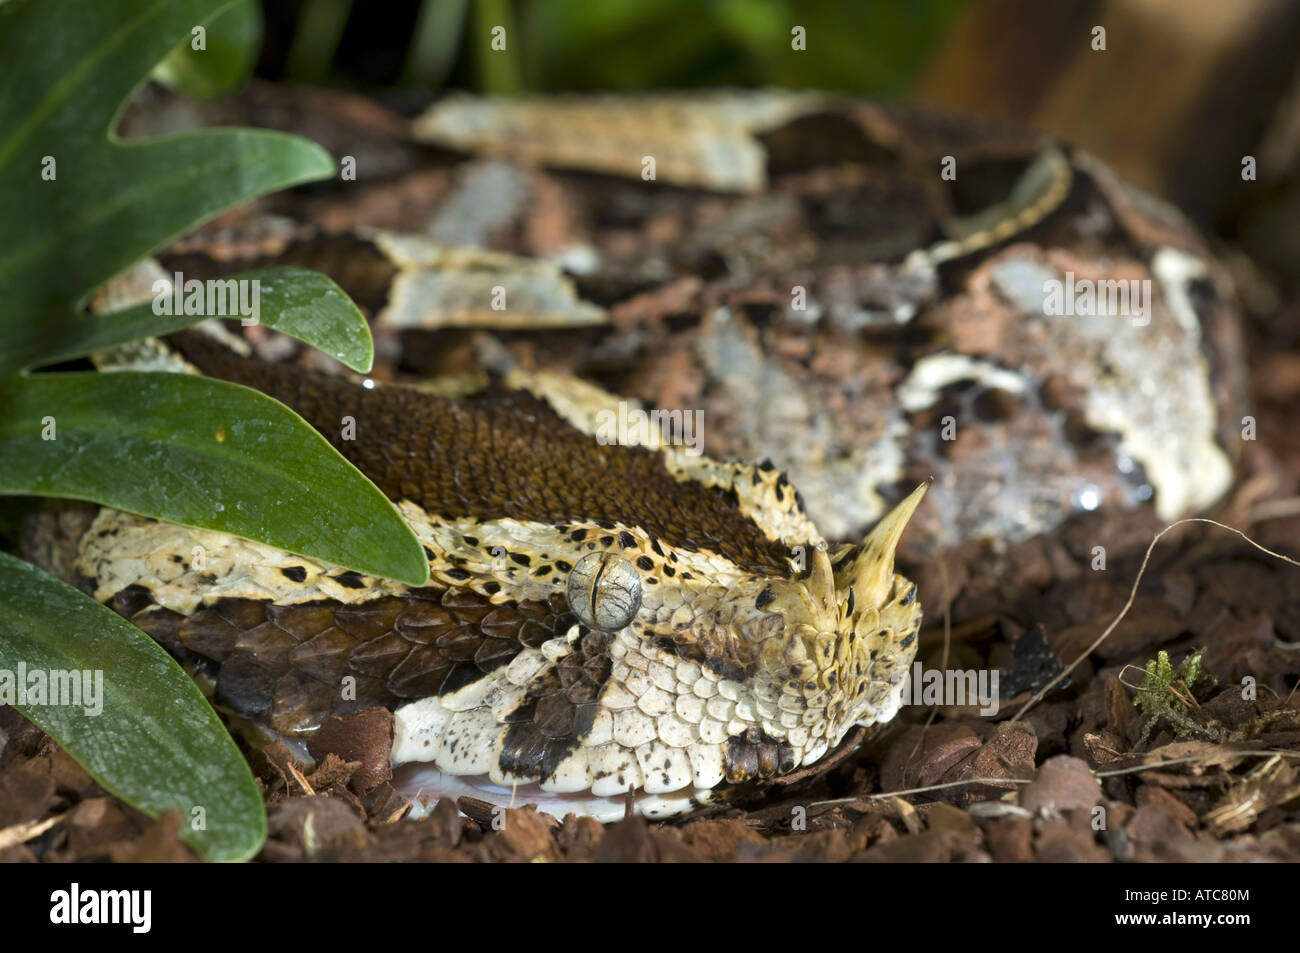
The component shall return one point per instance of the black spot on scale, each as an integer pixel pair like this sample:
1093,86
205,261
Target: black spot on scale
492,587
584,719
546,727
645,563
756,755
726,668
461,675
176,557
458,574
767,466
757,479
350,579
764,597
847,556
470,540
578,535
669,571
654,544
521,714
908,641
849,608
607,541
542,571
909,597
296,573
522,559
562,566
604,524
626,540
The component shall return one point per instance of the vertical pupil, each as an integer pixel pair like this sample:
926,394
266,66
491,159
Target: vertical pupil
595,586
604,591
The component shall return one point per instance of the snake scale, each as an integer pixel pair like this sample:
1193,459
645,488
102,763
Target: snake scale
610,624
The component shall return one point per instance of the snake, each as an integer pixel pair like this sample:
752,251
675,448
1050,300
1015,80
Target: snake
605,624
609,625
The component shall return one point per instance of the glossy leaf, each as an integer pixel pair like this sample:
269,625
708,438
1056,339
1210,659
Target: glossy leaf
230,45
80,205
304,304
202,452
146,733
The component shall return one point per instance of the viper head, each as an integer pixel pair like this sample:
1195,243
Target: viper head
810,651
851,636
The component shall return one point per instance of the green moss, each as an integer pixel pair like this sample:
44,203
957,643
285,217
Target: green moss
1165,695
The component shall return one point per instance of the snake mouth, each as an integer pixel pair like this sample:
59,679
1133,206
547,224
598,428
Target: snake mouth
424,785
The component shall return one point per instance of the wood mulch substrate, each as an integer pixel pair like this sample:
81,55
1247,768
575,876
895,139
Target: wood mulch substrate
1216,798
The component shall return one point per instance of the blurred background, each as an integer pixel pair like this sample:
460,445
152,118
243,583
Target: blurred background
1181,94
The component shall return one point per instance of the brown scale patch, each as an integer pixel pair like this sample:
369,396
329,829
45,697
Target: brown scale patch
558,712
724,657
286,664
754,755
480,457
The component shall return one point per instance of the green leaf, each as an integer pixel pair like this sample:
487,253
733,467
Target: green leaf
79,205
301,303
156,742
432,52
320,28
231,43
203,452
498,70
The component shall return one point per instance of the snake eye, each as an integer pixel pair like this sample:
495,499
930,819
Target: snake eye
604,591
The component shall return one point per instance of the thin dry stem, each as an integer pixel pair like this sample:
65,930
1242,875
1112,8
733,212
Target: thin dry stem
1132,596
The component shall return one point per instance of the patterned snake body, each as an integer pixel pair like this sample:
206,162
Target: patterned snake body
601,619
